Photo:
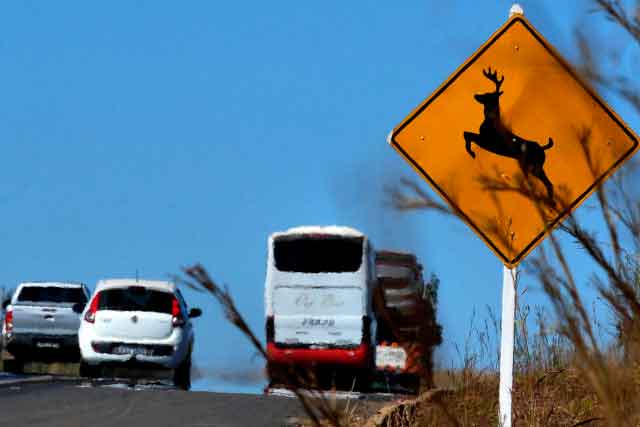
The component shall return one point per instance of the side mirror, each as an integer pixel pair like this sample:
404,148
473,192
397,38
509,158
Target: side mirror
195,312
78,307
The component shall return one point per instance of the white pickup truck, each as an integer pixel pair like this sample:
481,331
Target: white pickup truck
40,322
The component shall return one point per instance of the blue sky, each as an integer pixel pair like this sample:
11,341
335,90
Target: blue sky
144,136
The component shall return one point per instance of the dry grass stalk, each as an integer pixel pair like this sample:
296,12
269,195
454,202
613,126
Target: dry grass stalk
320,410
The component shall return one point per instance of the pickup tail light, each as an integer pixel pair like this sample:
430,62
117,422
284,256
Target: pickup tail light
177,318
90,315
8,321
270,329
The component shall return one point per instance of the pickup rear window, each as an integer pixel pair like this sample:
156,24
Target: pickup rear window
55,294
135,298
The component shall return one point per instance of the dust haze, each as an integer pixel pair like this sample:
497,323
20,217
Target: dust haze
239,375
362,202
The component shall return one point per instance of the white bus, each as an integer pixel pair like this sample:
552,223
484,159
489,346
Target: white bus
318,298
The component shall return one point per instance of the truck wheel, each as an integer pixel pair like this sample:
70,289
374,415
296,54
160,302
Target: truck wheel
364,380
411,383
182,374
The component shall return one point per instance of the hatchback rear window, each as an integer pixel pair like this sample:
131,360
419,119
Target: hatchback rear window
55,294
135,298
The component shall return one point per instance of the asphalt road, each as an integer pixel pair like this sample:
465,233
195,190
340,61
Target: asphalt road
73,404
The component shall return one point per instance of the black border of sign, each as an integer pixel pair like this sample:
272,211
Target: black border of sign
520,256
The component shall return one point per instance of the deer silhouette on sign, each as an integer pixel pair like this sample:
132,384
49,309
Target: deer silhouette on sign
496,138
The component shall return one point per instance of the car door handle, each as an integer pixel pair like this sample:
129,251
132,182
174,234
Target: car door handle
49,317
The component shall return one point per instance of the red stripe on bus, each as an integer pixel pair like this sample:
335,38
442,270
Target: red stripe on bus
357,357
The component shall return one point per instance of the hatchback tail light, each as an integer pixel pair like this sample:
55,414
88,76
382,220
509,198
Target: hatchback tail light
176,312
8,321
90,315
270,329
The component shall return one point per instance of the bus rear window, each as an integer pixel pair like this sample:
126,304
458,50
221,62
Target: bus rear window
319,255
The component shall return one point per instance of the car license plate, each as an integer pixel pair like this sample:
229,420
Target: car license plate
132,350
47,344
394,357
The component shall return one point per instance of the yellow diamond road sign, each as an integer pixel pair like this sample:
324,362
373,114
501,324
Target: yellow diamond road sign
514,141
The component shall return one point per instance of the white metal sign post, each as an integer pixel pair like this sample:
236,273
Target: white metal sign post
506,344
507,323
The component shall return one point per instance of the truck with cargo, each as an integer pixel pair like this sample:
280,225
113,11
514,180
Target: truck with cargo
408,331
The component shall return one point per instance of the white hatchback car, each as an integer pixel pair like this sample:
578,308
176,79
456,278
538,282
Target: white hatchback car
137,322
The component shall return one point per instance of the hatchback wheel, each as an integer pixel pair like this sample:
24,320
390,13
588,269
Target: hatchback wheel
182,374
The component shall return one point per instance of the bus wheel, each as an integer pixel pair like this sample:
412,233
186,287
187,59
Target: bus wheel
277,374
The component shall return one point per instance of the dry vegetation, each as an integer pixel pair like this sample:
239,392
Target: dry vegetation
551,385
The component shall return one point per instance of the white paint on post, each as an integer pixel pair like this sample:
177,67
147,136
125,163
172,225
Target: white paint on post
506,344
508,322
516,9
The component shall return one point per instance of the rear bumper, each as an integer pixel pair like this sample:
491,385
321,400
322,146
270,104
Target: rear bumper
33,345
358,357
93,352
94,358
